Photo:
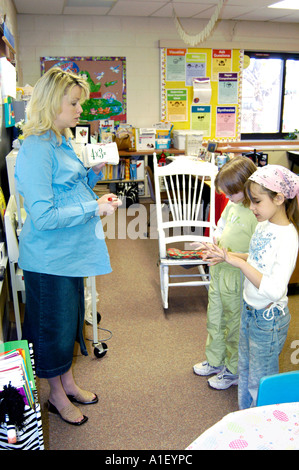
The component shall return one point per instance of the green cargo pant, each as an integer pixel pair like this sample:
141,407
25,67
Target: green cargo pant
223,316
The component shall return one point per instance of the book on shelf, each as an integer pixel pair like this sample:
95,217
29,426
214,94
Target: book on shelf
16,369
126,170
101,189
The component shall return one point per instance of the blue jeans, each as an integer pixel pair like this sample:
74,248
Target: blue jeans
262,336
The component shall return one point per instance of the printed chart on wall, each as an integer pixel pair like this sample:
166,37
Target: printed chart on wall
201,90
107,81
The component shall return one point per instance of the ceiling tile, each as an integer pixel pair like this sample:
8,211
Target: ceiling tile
86,11
292,18
90,3
135,8
185,10
247,10
206,14
231,12
262,14
39,7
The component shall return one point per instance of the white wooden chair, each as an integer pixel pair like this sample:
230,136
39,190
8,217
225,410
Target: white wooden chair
184,180
12,221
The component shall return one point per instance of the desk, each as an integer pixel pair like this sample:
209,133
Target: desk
134,153
272,427
260,146
293,156
277,151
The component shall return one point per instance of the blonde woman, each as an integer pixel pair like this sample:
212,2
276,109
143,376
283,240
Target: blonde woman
62,240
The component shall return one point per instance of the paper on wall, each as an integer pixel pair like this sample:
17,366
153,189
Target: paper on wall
8,78
202,91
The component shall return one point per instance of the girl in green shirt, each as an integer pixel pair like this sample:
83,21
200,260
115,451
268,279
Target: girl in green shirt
234,230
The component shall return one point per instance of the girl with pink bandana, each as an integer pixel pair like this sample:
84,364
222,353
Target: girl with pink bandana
274,194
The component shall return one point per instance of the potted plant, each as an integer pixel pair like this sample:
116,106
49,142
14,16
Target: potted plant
292,135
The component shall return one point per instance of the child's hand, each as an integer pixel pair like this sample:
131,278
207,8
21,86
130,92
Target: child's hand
213,254
218,255
203,245
197,245
208,252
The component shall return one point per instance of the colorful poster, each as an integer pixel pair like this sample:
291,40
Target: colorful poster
226,121
196,65
175,65
201,119
177,101
211,98
228,88
221,62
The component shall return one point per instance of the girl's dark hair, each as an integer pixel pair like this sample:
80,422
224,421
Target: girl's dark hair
291,205
232,177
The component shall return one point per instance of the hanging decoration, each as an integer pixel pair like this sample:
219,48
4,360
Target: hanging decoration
198,38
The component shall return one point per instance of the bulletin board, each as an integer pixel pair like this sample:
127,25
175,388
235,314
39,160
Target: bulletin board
201,90
107,81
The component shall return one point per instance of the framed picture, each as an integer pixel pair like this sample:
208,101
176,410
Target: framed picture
212,146
106,77
82,134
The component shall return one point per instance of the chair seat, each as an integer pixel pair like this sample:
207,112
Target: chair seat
175,253
278,388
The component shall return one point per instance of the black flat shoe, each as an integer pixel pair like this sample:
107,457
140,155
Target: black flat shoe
67,410
75,400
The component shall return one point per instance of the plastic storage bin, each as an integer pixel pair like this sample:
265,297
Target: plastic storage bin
179,137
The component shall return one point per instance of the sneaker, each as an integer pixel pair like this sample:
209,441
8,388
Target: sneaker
223,380
204,368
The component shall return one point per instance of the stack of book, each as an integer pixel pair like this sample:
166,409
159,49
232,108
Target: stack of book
126,170
117,172
16,370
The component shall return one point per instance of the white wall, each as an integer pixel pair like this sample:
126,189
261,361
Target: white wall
138,40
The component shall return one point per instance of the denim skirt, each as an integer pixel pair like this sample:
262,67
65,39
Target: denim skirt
53,322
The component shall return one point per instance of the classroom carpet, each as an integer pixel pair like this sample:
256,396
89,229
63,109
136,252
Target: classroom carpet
149,397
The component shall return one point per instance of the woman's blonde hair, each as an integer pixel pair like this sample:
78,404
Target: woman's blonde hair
232,177
46,101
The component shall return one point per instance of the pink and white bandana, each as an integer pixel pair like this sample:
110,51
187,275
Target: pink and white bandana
278,179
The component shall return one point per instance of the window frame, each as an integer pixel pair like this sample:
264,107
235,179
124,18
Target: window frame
272,55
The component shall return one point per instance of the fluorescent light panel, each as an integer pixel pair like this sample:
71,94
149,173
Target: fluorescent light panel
286,5
90,3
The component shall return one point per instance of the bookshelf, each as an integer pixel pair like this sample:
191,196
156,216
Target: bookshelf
126,157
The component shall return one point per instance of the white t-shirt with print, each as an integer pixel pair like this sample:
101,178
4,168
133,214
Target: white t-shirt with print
273,252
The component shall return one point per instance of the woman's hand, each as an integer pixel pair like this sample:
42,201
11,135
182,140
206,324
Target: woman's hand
98,168
108,204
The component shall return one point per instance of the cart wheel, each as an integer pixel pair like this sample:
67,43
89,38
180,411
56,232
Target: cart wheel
100,350
99,317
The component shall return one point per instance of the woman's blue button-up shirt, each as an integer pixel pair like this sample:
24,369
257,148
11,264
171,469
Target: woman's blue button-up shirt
62,233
